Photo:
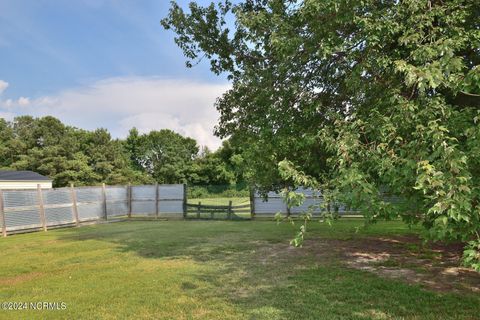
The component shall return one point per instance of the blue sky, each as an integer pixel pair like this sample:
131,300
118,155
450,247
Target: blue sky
103,63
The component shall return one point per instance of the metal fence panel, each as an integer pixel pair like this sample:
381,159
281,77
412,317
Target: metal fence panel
58,216
170,192
89,194
143,207
309,193
117,208
20,198
143,192
168,207
274,203
90,211
307,205
117,201
116,193
271,194
269,206
57,196
23,219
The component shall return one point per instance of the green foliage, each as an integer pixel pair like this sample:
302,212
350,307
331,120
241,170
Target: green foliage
218,191
366,98
164,155
65,154
169,157
209,168
471,255
71,155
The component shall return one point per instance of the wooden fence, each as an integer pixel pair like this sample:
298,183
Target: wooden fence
228,212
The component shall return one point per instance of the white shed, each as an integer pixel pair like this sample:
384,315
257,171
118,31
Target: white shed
23,180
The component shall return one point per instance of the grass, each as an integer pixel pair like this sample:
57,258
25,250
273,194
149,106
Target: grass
207,270
243,213
236,201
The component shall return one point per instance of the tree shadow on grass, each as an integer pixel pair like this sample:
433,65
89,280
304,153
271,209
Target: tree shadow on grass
266,279
198,240
291,284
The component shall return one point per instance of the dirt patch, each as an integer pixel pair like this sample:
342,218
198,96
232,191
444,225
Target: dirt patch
408,259
435,266
10,281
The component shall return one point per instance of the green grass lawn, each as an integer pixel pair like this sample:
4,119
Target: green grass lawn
243,213
209,270
236,201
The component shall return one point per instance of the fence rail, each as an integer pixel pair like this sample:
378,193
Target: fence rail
229,212
25,210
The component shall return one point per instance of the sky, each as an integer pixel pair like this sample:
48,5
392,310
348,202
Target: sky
103,64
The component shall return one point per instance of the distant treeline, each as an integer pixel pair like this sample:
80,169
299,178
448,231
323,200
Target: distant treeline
71,155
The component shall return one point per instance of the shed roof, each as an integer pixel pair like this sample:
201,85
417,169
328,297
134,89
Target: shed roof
9,175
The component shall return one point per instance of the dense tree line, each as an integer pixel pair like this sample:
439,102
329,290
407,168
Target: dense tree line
71,155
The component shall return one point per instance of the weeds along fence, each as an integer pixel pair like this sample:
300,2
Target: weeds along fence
28,210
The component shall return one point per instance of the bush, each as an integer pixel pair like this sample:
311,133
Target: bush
218,191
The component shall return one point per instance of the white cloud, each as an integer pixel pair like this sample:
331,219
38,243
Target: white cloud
3,86
148,103
22,101
11,104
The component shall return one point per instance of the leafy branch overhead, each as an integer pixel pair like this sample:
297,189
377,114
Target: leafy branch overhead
366,97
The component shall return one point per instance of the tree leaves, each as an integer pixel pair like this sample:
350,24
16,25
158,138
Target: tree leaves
363,98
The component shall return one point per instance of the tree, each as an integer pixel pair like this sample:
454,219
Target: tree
165,155
359,97
66,154
209,168
6,138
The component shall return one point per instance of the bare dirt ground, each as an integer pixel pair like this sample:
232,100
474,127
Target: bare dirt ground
435,267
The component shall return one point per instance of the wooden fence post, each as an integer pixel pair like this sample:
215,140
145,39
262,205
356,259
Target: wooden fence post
157,195
184,200
2,215
198,209
104,195
41,208
229,210
74,204
129,200
252,203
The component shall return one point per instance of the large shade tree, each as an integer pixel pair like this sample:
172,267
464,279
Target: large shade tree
359,97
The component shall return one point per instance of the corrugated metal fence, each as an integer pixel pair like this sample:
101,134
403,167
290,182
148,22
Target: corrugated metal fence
274,203
24,210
